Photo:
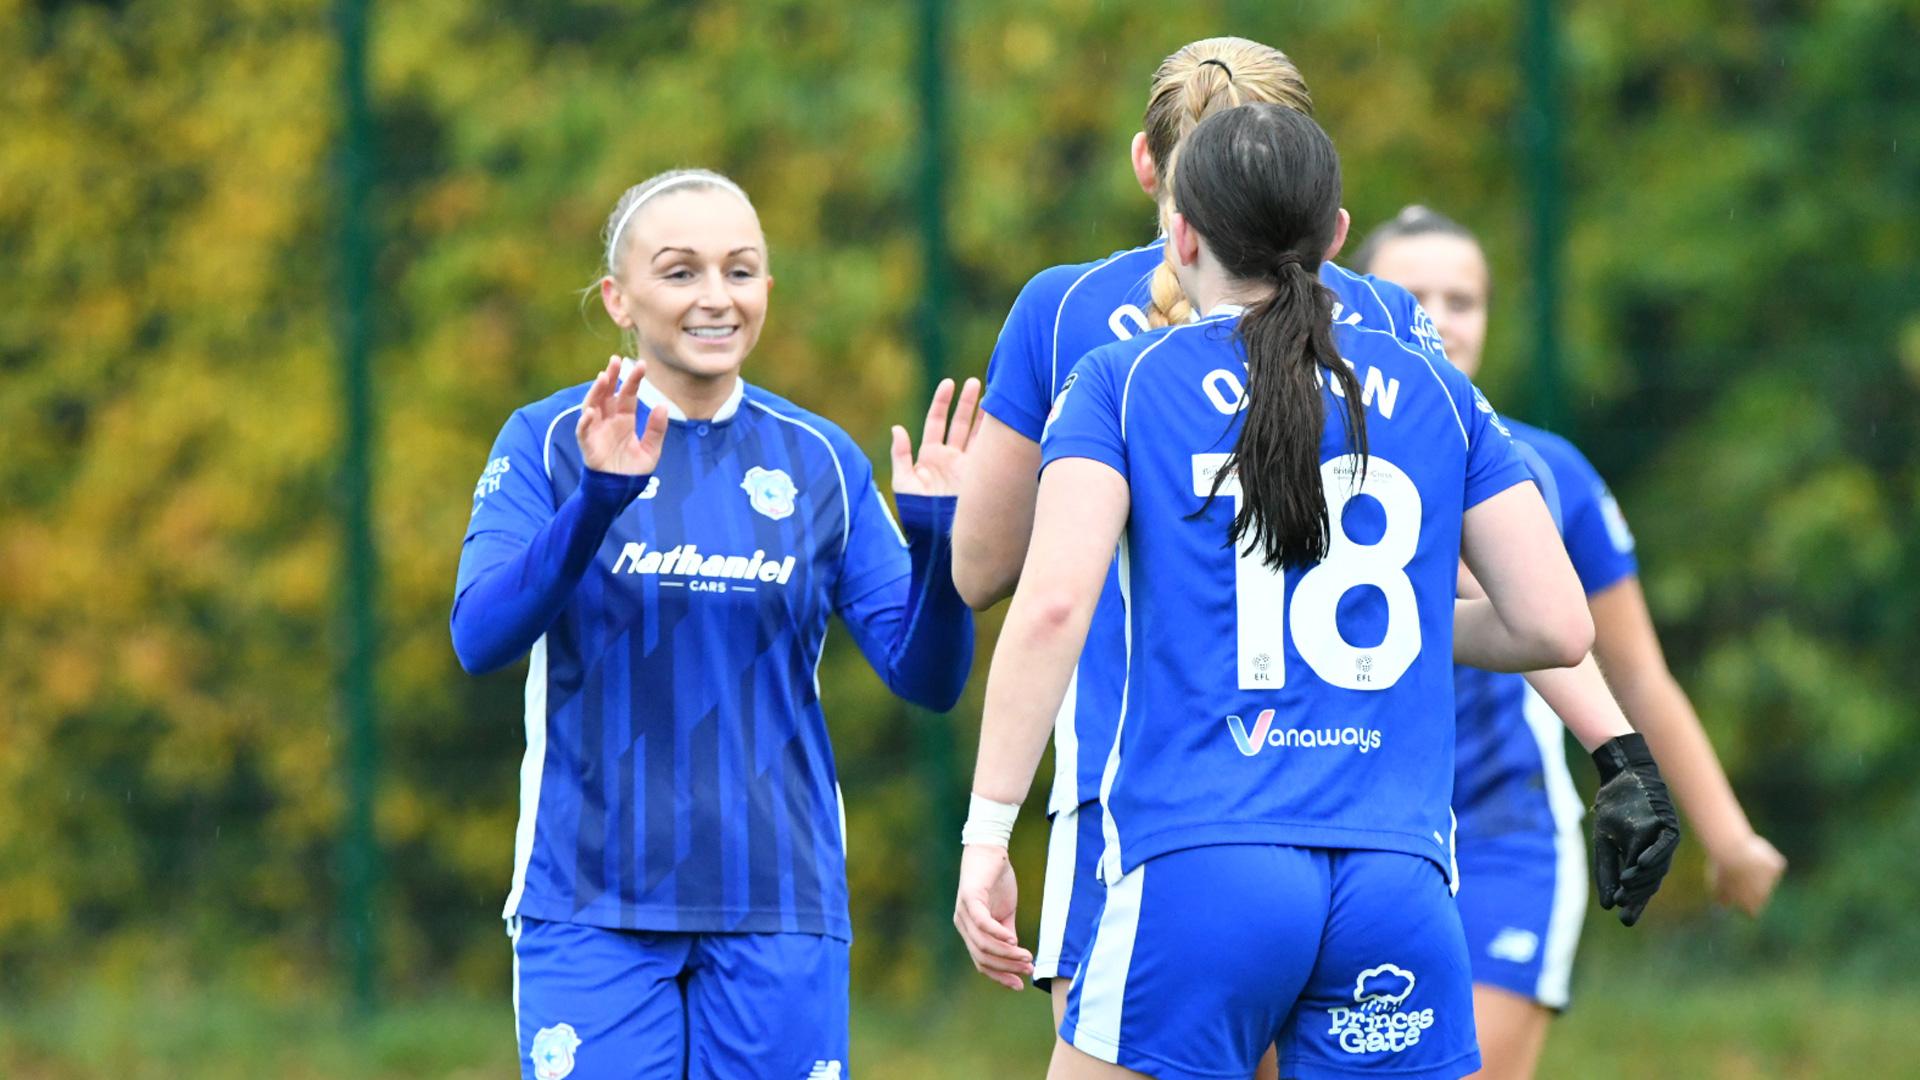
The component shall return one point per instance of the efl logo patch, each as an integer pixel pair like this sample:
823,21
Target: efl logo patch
1375,1022
553,1052
771,491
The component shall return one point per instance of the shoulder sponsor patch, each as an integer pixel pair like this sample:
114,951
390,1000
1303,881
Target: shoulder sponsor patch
1616,522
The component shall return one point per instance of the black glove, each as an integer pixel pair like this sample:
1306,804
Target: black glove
1635,830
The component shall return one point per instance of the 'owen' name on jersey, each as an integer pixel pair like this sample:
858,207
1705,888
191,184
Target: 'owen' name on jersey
1223,388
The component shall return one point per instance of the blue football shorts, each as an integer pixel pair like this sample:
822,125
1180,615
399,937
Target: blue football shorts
1353,962
1070,901
1522,900
598,1004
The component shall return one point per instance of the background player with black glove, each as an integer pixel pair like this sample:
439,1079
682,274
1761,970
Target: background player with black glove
1635,829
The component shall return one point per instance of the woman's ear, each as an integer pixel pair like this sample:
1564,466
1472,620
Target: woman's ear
1182,240
611,296
1339,235
1143,164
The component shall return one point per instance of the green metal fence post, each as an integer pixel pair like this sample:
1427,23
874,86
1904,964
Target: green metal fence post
933,732
359,861
1540,132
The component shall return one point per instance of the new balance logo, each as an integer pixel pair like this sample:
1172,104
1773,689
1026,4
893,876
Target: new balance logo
825,1070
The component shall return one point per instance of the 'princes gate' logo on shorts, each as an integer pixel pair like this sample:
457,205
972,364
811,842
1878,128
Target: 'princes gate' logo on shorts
1250,742
1375,1023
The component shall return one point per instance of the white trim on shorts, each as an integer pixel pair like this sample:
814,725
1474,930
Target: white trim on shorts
1056,899
1103,973
1570,856
513,934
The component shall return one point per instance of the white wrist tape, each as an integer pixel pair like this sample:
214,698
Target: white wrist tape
989,822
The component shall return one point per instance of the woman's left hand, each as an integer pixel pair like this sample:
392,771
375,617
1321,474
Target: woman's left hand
943,447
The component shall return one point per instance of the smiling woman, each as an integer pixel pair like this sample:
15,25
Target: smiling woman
679,898
686,278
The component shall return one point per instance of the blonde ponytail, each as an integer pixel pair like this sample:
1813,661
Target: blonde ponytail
1201,79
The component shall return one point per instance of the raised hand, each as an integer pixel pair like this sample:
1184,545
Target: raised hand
983,913
609,434
943,448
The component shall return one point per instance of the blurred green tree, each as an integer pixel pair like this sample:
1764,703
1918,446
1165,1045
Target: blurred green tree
1744,366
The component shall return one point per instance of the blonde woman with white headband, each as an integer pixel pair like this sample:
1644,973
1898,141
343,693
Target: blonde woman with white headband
667,542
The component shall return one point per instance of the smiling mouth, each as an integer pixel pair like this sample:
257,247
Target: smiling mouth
711,333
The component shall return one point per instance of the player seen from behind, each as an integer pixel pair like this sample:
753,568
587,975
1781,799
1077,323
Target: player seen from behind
1060,315
1275,806
1522,869
669,542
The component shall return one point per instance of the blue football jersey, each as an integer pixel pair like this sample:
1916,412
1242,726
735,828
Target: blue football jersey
678,774
1510,768
1064,313
1312,707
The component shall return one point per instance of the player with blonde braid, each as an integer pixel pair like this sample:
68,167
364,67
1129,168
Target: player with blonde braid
1063,313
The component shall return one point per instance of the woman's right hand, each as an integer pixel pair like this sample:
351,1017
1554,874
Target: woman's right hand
611,440
1743,874
983,913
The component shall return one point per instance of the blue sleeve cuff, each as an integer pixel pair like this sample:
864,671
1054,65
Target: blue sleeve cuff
1077,446
926,515
1003,408
611,489
1480,489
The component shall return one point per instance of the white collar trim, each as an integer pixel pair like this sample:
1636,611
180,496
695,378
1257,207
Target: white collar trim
653,398
1225,309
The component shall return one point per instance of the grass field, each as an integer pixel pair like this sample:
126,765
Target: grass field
1731,1029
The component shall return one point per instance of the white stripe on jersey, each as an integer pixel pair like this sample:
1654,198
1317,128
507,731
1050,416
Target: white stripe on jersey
533,768
846,509
1066,751
1110,829
1168,336
1570,856
1060,310
1458,420
1377,298
546,448
1103,975
888,511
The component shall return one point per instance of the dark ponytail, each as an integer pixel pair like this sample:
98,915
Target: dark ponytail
1261,185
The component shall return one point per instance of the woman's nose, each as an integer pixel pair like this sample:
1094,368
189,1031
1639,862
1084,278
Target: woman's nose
713,293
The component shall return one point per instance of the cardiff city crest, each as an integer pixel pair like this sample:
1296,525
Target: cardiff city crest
553,1052
771,491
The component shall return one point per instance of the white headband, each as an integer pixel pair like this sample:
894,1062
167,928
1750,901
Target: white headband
708,179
